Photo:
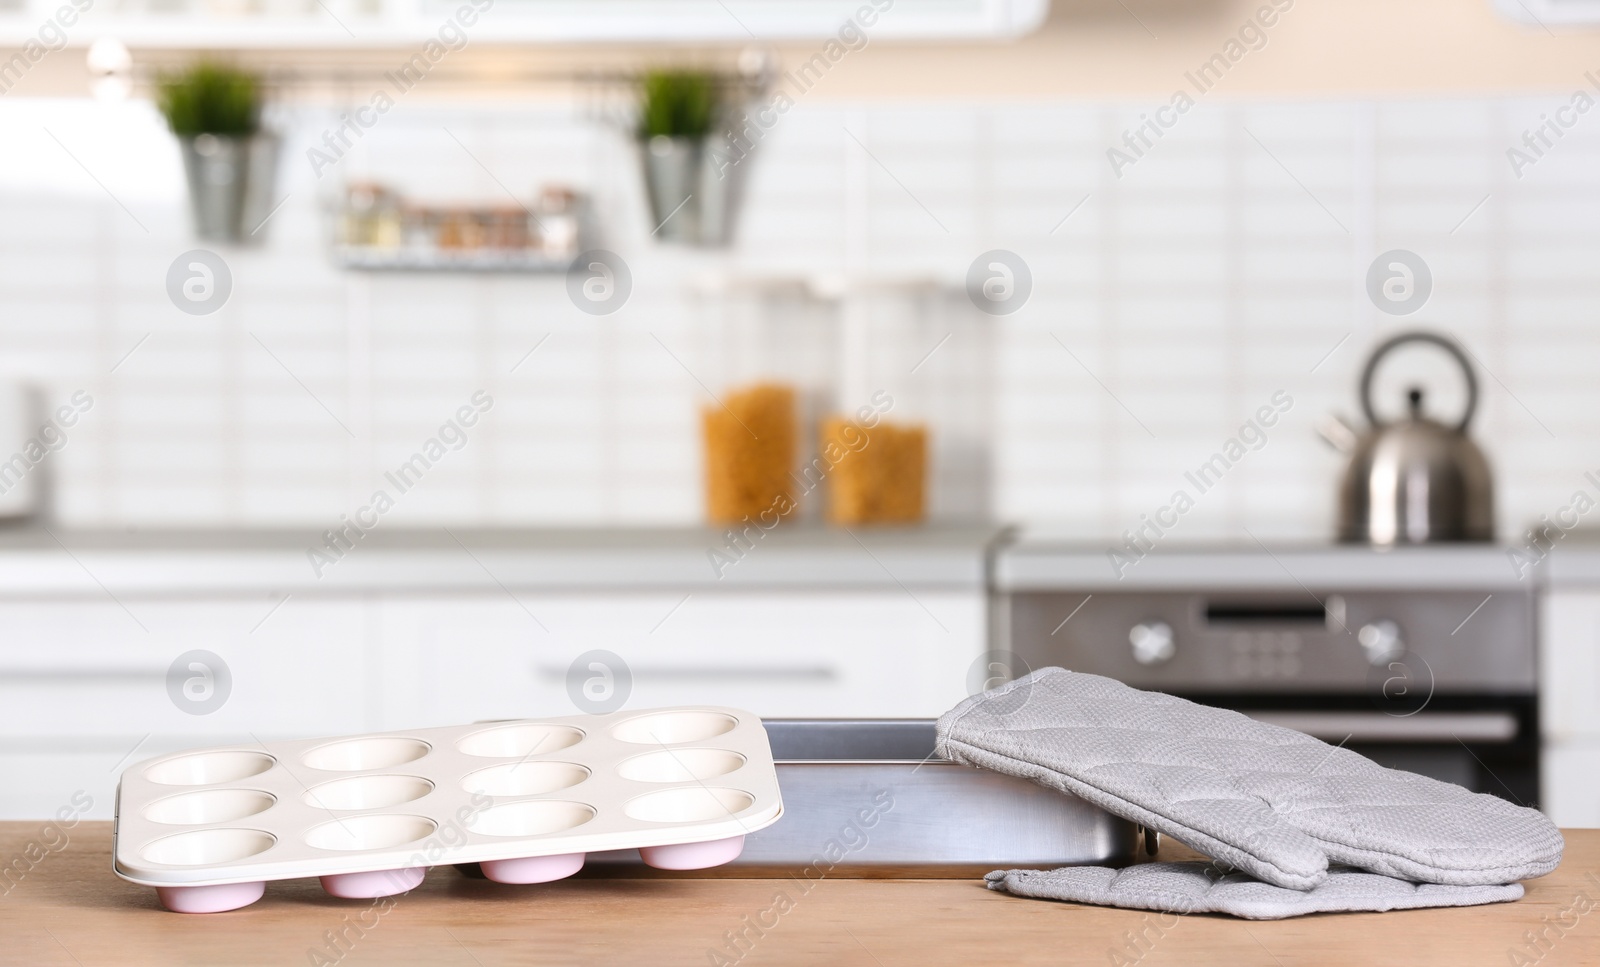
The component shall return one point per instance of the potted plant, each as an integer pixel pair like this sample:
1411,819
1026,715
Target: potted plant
229,161
690,183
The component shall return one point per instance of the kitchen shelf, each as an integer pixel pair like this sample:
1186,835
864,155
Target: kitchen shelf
376,259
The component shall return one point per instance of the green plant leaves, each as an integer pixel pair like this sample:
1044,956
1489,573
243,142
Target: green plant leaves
678,103
210,98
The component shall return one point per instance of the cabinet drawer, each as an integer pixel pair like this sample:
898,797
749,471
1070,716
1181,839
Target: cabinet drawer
80,668
40,782
778,654
44,774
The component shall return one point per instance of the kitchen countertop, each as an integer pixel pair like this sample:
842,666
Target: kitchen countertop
71,910
36,561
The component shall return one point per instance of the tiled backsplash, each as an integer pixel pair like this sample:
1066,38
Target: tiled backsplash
1227,264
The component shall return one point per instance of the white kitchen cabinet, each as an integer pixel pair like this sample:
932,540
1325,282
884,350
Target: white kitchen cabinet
1571,793
83,678
73,667
84,684
451,24
1570,664
813,653
43,774
1569,690
1543,13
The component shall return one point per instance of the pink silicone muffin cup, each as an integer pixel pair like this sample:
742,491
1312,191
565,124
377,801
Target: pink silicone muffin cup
374,883
533,869
693,856
210,899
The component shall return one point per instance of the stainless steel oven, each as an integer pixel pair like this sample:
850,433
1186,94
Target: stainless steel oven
1421,659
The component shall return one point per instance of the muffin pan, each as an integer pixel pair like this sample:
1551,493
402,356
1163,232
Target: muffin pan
369,814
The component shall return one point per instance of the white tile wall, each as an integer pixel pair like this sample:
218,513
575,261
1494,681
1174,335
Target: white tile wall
1222,267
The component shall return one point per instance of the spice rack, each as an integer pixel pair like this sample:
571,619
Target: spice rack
378,230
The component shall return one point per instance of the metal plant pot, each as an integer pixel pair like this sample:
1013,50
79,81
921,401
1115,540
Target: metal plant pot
230,184
694,191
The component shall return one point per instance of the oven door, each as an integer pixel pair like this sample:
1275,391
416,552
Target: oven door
1429,695
1487,743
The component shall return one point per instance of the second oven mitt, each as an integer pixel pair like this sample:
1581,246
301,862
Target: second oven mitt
1195,887
1273,802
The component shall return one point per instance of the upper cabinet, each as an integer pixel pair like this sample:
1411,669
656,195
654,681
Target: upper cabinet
1545,13
451,24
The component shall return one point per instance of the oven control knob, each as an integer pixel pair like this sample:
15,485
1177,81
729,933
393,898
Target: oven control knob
1152,642
1381,641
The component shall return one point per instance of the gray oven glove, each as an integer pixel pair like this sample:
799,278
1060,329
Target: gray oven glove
1196,887
1273,802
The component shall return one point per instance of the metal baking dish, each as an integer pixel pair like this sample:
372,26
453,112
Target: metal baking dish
865,797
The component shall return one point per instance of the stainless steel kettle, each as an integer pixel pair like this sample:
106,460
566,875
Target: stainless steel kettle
1415,480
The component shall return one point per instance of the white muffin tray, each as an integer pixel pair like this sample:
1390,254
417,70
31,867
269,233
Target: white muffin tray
368,814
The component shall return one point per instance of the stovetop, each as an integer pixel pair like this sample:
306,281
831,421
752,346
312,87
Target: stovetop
1045,560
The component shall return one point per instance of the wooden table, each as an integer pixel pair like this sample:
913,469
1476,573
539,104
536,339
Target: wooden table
69,909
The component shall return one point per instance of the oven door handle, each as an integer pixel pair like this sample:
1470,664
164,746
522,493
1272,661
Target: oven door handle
1485,727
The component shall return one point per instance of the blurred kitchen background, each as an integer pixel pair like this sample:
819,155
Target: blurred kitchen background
168,578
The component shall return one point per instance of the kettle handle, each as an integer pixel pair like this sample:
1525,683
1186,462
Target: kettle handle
1443,342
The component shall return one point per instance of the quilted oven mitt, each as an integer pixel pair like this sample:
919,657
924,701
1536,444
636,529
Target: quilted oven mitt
1275,803
1199,888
